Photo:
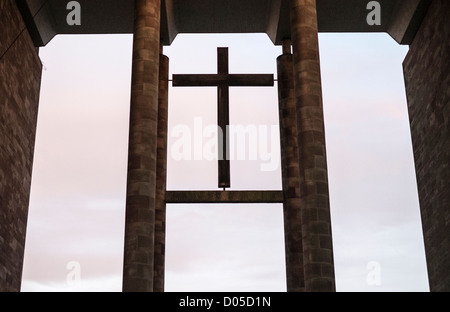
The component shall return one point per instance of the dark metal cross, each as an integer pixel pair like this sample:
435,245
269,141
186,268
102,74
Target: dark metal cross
223,80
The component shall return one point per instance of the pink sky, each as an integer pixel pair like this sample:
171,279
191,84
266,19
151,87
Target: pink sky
79,179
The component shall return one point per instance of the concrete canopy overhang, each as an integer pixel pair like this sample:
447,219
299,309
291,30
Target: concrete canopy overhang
48,18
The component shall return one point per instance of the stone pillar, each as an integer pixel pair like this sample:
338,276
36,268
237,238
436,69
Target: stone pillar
290,172
427,82
161,174
314,196
142,153
20,81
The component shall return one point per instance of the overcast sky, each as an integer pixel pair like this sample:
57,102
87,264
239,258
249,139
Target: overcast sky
76,218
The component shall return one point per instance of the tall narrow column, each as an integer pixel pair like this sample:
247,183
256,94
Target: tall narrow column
161,174
314,195
142,154
290,175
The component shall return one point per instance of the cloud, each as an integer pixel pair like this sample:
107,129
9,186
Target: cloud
233,247
392,247
103,284
77,204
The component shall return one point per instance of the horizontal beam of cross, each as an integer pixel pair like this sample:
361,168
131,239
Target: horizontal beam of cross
231,80
224,197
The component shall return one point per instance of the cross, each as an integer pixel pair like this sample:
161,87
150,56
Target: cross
223,80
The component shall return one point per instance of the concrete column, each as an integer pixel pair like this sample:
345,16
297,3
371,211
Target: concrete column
314,196
142,154
290,172
20,81
161,175
427,82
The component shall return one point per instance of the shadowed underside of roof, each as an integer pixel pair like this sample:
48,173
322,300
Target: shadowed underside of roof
48,18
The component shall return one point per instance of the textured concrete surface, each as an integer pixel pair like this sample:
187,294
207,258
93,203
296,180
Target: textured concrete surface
295,277
427,68
314,196
142,153
161,175
20,76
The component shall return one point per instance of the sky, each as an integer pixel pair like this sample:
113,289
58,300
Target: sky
77,206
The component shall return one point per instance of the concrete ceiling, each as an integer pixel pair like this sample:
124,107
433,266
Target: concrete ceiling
47,18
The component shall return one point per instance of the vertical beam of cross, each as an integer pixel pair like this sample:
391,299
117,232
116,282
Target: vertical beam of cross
223,120
223,80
